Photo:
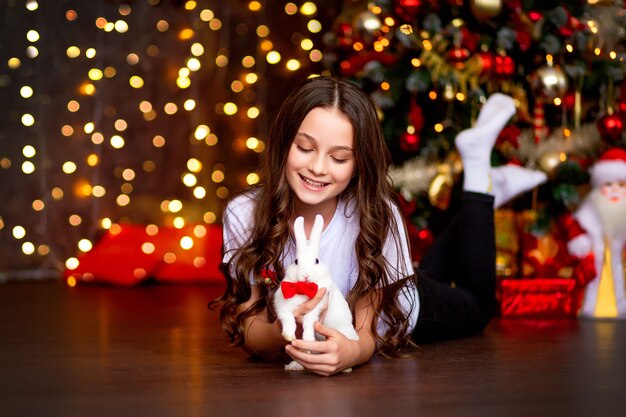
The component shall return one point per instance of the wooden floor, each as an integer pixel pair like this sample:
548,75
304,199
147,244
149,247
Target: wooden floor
157,351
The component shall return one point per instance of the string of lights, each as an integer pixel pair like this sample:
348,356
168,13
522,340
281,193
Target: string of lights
144,112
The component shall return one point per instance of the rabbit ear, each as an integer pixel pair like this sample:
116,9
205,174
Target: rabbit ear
316,232
298,230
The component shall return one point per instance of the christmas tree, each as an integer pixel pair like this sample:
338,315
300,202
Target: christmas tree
429,66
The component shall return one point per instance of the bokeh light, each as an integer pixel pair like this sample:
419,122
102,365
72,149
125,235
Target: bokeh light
136,118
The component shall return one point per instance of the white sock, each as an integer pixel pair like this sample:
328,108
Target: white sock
475,144
496,103
509,181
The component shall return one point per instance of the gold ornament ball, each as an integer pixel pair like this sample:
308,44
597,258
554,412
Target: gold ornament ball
601,2
549,161
367,24
486,9
549,82
440,189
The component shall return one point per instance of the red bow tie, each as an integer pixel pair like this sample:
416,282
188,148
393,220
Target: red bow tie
301,287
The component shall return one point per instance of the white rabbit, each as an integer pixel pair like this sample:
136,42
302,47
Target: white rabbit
308,274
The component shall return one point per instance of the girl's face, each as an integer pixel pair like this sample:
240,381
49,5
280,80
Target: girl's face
320,163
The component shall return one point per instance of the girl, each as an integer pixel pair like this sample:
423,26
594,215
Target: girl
326,155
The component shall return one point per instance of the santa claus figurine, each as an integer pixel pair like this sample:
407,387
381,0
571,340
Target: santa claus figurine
602,220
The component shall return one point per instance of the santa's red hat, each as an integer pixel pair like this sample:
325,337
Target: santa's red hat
611,166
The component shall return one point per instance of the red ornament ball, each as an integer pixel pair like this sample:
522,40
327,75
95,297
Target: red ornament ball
345,30
458,55
409,142
509,136
569,101
611,127
504,65
416,117
345,35
524,40
420,239
408,9
487,61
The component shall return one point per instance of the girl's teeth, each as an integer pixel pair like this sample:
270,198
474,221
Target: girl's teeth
313,183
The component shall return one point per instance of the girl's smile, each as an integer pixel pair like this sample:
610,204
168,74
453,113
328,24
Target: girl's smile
313,185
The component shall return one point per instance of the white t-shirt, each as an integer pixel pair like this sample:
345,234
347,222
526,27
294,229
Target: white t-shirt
337,248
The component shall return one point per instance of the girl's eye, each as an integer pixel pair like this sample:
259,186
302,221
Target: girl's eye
302,149
339,160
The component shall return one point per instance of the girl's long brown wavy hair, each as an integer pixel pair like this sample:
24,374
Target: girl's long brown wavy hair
370,189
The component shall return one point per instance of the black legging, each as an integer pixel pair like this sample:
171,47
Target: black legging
456,278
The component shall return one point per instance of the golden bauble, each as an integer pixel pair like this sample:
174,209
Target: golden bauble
440,190
601,2
366,25
486,9
549,82
550,161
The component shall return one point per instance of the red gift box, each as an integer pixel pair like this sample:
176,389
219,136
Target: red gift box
551,298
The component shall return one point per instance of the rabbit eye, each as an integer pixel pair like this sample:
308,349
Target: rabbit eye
317,261
296,262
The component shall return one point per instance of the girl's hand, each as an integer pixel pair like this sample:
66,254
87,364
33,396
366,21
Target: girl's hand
309,305
327,357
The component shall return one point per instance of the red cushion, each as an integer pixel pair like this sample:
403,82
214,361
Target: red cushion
118,258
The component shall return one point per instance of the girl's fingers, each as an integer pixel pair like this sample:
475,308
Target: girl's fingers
310,304
304,346
326,331
324,346
318,297
308,358
318,363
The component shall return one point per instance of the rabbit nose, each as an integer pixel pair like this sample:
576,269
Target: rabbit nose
305,276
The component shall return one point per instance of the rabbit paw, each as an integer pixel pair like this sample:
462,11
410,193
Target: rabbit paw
289,330
289,336
294,366
308,335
